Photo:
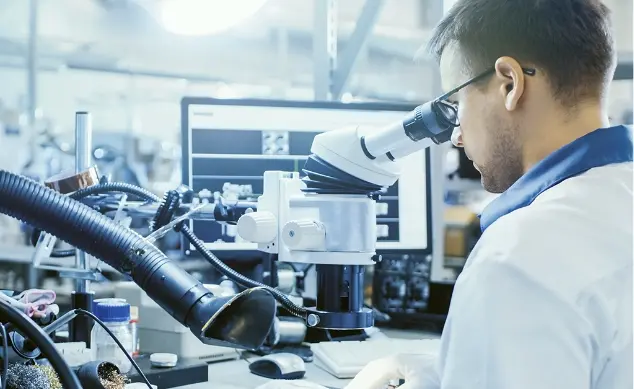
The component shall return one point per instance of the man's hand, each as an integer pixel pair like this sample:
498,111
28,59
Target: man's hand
418,371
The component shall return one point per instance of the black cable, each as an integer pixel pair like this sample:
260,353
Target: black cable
23,323
239,278
127,354
35,237
63,253
5,357
200,245
115,187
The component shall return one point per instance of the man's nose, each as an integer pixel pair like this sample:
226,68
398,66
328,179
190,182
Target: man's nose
456,137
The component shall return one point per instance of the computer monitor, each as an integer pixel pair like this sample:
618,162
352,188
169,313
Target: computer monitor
229,144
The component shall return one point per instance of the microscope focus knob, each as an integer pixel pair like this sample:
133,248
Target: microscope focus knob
258,227
304,235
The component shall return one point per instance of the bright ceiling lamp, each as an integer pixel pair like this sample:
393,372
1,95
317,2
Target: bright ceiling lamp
205,17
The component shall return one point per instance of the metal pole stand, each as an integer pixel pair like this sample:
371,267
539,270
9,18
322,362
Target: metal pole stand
82,298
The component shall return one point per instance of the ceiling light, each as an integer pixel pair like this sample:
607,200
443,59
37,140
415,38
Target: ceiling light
205,17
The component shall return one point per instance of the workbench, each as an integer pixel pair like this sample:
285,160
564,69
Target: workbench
236,375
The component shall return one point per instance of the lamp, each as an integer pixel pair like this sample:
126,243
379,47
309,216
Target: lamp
205,17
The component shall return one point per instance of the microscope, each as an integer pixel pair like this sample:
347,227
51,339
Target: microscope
328,217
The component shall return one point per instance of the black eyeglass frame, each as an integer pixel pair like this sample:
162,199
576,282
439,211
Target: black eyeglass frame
443,99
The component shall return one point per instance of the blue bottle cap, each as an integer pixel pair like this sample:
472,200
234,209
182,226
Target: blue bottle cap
106,300
112,310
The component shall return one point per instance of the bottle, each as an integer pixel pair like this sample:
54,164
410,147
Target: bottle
115,313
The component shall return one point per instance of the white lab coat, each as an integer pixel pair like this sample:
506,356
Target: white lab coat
545,299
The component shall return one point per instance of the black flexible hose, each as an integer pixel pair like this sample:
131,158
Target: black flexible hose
209,256
67,378
172,288
93,190
171,201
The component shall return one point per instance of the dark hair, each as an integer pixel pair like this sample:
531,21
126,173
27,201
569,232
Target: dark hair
569,40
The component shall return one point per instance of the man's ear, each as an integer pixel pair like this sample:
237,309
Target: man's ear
511,76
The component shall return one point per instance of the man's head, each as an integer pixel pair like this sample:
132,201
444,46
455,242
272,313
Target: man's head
568,49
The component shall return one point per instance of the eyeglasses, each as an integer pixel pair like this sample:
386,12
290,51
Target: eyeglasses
448,111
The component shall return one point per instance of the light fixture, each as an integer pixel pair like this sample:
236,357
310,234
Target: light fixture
205,17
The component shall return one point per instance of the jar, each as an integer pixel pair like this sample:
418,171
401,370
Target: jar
115,313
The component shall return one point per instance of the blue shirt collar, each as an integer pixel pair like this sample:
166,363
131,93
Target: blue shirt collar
599,148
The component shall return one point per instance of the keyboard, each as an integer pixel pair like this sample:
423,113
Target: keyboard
346,359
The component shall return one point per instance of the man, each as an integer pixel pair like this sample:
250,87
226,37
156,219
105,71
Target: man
545,299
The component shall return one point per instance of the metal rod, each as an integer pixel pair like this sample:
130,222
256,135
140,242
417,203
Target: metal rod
356,44
31,75
83,145
324,48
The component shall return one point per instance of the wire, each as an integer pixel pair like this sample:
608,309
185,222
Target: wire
291,307
115,187
127,354
5,356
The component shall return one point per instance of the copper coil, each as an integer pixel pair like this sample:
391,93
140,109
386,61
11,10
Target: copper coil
69,182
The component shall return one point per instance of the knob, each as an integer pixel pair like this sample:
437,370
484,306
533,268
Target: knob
304,235
257,227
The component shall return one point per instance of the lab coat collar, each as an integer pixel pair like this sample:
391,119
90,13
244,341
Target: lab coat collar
599,148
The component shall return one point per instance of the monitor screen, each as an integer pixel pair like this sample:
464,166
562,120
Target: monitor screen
229,144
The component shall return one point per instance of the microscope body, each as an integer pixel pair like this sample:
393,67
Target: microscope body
335,232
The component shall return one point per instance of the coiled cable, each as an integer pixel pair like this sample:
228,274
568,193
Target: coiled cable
284,301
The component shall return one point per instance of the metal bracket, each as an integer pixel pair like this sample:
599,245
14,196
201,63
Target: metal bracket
43,250
324,48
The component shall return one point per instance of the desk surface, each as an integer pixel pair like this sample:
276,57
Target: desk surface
236,375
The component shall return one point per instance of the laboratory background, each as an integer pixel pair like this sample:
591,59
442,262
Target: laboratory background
177,169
